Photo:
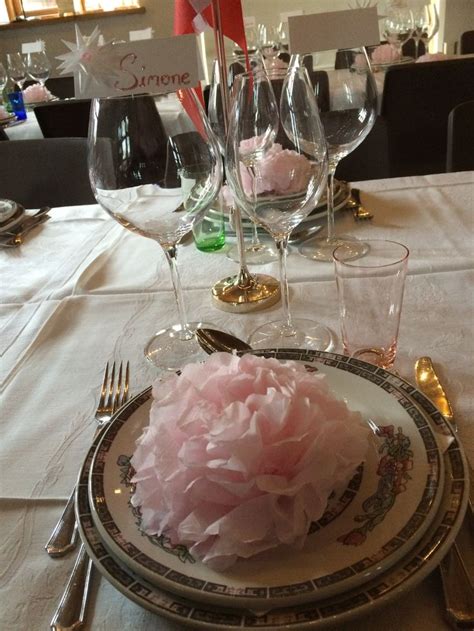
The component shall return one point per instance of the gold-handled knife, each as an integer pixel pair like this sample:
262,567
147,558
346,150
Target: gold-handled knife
457,567
428,382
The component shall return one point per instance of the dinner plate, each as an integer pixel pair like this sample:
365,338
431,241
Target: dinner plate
341,195
404,575
11,213
6,121
372,524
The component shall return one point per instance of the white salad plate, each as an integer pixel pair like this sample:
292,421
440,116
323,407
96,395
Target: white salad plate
374,523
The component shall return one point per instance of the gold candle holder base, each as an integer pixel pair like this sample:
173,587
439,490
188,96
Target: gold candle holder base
250,293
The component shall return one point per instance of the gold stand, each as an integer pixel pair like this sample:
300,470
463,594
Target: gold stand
244,292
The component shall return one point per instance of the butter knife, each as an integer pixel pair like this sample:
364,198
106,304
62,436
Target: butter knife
457,567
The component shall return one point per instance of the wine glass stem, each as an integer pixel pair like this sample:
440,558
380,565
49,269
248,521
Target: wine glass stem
171,254
282,246
244,278
255,239
330,204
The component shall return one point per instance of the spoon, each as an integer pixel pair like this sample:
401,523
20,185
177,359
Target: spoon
212,341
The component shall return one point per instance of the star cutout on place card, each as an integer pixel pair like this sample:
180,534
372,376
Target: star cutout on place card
90,61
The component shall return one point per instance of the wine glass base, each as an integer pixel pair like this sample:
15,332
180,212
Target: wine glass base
321,248
306,334
166,349
257,254
261,292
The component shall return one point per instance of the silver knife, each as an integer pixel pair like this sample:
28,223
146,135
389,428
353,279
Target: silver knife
457,567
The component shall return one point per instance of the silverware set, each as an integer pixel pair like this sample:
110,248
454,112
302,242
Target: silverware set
14,238
71,611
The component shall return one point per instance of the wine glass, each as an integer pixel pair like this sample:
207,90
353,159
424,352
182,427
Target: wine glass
397,26
16,68
155,167
351,116
38,66
256,252
3,80
278,188
425,25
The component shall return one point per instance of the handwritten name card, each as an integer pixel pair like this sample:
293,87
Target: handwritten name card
329,31
154,66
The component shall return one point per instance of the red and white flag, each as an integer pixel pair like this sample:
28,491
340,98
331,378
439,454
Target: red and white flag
193,16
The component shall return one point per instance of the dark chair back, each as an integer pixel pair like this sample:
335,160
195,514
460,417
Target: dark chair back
64,119
368,161
460,151
62,87
409,48
467,43
3,134
416,102
45,172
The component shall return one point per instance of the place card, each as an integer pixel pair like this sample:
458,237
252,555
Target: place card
154,66
284,15
32,47
144,33
330,31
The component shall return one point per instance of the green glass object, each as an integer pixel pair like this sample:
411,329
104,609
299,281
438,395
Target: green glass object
209,234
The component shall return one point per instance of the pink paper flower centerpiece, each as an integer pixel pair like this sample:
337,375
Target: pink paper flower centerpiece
385,54
3,113
36,93
241,455
432,57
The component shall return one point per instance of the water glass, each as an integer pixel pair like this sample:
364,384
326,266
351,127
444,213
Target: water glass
18,107
370,291
209,234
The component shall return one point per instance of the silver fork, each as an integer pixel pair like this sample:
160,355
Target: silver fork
113,395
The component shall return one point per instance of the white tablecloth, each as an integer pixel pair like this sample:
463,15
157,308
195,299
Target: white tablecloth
82,290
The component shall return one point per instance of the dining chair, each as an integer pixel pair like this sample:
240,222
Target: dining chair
409,48
467,43
45,172
62,87
3,134
416,102
64,119
460,150
368,161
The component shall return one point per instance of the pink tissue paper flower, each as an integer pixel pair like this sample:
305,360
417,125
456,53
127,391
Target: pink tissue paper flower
3,112
385,54
36,93
241,454
432,57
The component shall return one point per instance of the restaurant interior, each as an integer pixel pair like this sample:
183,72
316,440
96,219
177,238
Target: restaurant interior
277,432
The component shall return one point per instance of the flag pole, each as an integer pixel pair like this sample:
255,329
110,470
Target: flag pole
244,292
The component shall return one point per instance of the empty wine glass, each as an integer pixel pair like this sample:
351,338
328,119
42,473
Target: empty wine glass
425,25
156,172
3,80
397,26
38,66
278,188
256,252
17,69
351,116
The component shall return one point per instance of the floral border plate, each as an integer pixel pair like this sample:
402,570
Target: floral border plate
379,517
406,574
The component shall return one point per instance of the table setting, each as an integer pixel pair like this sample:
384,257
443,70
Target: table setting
223,445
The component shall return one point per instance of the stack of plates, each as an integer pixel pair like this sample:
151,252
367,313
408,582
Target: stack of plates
11,214
384,533
342,193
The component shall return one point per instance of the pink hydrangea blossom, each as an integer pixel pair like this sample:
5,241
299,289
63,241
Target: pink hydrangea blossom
385,54
241,455
36,93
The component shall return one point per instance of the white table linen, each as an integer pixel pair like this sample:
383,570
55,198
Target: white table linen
82,290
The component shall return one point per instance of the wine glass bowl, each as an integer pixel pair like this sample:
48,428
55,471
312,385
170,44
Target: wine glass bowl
397,26
38,66
16,68
425,25
155,167
347,122
277,188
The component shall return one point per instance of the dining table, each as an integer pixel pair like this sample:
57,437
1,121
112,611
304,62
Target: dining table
82,291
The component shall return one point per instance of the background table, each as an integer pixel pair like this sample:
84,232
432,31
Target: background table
82,291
